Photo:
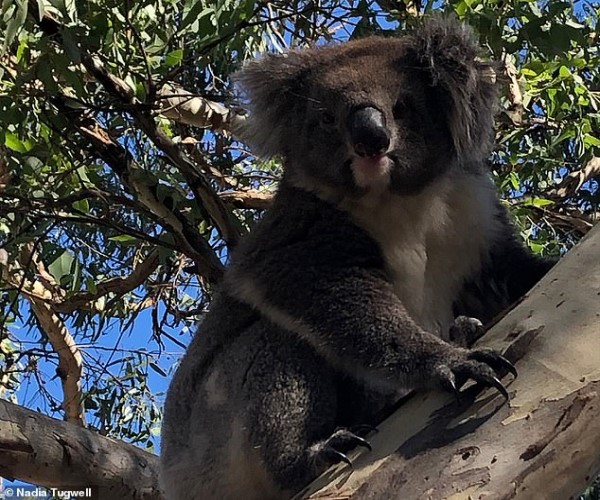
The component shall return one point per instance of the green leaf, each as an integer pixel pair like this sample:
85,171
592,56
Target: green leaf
564,72
538,202
14,25
61,266
514,181
41,8
90,285
590,141
157,369
23,45
195,12
71,46
81,206
536,247
125,239
13,142
174,58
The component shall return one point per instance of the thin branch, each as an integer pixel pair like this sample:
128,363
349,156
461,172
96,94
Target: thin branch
248,199
118,286
574,180
516,110
184,107
207,199
123,164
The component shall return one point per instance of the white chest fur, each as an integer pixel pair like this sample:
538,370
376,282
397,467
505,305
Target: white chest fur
431,241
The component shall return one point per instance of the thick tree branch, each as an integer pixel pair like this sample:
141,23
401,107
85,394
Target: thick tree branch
51,453
70,361
542,444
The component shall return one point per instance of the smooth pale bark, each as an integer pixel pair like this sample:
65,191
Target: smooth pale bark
53,453
545,444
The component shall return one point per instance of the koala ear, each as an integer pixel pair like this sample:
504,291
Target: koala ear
448,50
271,84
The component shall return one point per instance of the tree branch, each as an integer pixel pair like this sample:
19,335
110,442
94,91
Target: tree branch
70,361
51,453
574,180
182,106
123,164
515,96
118,286
222,218
543,443
251,198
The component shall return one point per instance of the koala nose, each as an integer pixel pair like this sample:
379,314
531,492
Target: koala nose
368,133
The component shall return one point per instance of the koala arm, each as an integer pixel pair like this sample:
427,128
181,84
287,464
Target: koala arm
326,282
351,317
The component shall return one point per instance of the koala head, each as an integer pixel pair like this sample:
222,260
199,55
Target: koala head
392,111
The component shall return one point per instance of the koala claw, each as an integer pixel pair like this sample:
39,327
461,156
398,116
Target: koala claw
479,365
333,456
447,379
332,450
346,440
465,331
500,388
494,359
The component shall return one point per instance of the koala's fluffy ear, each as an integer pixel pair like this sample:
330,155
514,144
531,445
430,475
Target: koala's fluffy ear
272,85
448,50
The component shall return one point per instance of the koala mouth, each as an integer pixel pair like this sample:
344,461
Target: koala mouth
371,171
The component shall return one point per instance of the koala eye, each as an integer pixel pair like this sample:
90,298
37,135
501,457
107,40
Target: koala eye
327,119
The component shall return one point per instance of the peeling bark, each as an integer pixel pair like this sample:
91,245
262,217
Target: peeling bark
544,444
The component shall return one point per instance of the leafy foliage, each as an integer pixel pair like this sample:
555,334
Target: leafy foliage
120,219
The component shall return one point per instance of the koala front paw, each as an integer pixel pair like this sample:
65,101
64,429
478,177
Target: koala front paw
481,365
465,331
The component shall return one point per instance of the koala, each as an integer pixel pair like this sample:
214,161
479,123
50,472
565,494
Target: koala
385,233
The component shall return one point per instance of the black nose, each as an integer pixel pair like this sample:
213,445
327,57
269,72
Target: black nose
368,133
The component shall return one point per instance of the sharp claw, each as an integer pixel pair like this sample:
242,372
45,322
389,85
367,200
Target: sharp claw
493,358
455,390
339,456
508,365
500,388
449,384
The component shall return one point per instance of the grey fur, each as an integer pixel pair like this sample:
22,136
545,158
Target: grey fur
342,296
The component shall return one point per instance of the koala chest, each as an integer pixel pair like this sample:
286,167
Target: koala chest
432,243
